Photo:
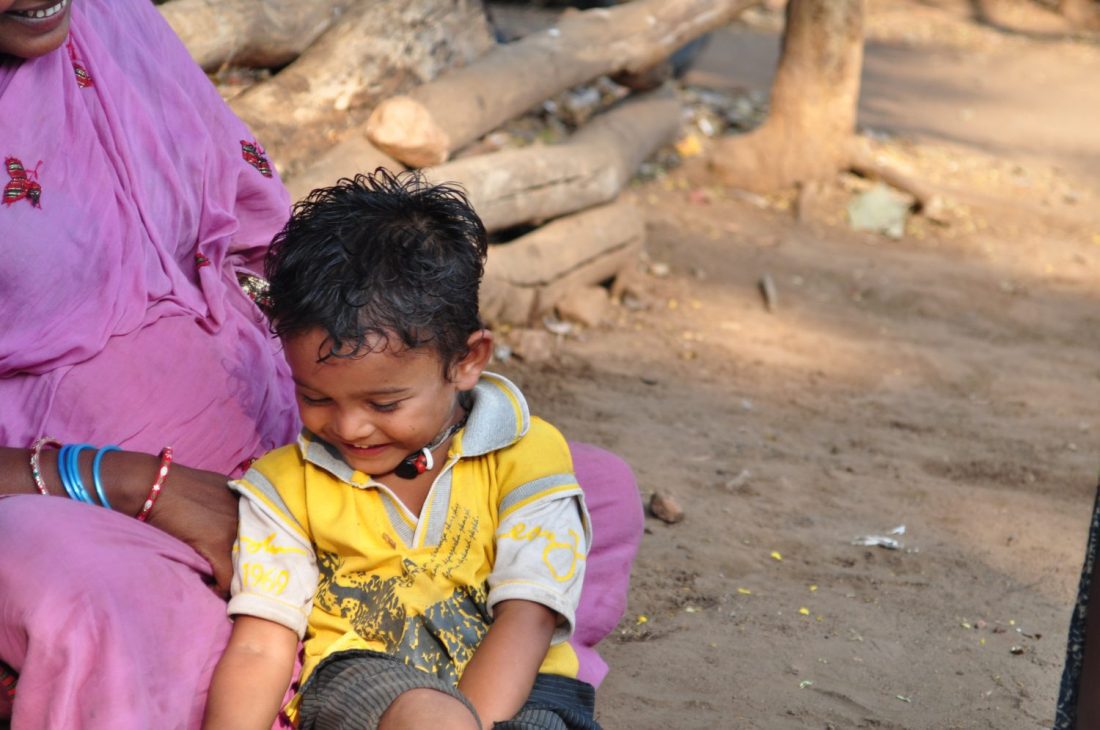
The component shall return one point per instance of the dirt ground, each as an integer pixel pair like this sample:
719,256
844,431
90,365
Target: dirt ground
942,381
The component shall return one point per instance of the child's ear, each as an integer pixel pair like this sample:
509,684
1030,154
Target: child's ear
467,370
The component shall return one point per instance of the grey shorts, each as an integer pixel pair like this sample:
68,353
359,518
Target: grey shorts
352,689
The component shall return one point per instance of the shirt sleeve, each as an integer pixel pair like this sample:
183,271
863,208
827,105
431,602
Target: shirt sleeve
541,549
274,568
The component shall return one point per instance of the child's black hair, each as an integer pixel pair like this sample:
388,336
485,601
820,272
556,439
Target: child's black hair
379,256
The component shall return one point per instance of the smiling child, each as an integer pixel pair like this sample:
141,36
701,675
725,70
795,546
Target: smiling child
426,536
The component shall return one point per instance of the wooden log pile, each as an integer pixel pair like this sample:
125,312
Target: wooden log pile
414,83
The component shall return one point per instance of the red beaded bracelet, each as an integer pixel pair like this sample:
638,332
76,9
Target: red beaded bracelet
36,455
154,492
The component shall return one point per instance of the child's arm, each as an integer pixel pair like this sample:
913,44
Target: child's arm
252,676
500,675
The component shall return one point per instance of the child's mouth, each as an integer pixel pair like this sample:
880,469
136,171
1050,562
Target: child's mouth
365,449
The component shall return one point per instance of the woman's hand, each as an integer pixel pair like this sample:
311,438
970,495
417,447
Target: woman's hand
194,506
198,508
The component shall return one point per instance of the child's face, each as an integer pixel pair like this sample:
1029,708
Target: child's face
378,408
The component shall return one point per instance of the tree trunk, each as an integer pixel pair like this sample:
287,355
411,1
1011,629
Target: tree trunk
813,104
249,32
436,119
379,48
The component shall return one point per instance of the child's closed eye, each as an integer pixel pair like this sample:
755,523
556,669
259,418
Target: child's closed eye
385,407
313,401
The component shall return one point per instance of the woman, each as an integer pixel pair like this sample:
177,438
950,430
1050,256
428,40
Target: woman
134,204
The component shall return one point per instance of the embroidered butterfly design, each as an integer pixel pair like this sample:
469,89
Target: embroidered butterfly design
23,183
83,79
255,155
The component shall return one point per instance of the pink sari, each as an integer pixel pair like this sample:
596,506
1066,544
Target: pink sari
123,323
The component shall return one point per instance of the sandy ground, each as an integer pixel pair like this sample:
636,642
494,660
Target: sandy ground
943,381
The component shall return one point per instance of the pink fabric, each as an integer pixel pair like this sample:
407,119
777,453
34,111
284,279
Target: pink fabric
113,333
111,625
617,523
112,330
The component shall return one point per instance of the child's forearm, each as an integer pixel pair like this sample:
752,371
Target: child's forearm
500,675
252,676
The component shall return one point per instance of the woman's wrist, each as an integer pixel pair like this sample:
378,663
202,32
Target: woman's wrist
126,476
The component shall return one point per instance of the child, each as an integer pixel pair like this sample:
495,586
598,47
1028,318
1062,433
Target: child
425,535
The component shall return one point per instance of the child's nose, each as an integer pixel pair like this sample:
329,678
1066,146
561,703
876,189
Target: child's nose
352,426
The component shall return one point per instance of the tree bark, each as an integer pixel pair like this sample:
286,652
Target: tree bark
249,32
379,48
529,276
538,183
813,103
438,118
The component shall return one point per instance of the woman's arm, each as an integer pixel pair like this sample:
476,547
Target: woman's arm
195,506
252,676
500,675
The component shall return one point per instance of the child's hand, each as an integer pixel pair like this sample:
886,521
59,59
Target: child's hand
500,675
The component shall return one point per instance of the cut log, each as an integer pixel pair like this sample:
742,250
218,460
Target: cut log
537,183
1084,14
379,48
440,117
524,279
247,32
347,159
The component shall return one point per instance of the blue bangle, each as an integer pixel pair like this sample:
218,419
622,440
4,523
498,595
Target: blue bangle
95,474
62,470
74,485
69,468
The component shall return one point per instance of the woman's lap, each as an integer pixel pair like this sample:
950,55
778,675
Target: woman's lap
109,623
107,620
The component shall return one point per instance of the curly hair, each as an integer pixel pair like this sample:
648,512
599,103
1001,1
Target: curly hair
380,256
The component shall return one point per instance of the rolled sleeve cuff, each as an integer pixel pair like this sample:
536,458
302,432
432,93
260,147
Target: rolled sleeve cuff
284,614
536,593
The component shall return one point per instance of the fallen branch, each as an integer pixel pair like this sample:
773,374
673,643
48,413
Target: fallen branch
863,161
247,32
542,182
529,276
435,119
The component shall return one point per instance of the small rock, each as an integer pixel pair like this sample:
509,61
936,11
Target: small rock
664,507
881,210
740,480
533,345
659,269
588,306
557,326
